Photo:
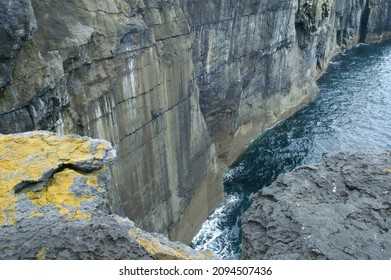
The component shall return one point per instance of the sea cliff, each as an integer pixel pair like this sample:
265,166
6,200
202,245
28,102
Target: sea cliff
178,87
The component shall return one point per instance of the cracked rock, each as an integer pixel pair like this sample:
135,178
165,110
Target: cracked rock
54,205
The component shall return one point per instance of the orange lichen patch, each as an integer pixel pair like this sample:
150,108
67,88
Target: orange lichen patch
59,194
41,254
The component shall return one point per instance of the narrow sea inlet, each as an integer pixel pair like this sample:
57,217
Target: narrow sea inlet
352,112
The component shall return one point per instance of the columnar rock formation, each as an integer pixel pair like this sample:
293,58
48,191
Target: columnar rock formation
53,204
179,87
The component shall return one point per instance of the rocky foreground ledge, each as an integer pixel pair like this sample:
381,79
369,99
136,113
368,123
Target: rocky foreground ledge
340,209
53,204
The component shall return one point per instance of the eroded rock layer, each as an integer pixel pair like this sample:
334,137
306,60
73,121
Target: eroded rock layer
53,204
178,87
338,210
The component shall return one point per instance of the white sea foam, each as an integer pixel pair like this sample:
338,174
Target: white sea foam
232,172
212,236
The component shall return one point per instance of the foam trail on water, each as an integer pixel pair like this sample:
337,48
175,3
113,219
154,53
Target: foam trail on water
213,236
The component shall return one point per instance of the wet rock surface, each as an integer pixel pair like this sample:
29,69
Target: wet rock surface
339,209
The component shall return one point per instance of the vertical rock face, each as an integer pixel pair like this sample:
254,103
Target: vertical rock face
377,21
16,26
257,61
122,71
179,87
249,68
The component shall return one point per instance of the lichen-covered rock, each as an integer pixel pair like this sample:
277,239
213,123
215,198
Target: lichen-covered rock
339,209
43,174
53,203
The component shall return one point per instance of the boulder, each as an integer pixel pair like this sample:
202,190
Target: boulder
54,205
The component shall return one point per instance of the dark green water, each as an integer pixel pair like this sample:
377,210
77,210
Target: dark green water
352,112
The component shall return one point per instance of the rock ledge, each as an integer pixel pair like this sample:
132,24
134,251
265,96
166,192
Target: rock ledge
340,209
53,204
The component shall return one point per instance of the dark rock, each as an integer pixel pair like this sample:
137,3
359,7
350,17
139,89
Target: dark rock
49,238
339,209
17,23
377,21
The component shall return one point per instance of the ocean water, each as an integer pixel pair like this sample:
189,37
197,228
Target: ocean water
352,112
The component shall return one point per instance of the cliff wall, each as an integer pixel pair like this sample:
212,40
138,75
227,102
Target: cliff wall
178,87
122,71
257,61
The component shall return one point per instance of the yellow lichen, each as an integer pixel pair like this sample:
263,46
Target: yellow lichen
78,214
58,193
41,254
156,249
3,218
100,150
206,255
134,231
7,196
7,205
35,214
389,169
164,252
93,181
26,157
